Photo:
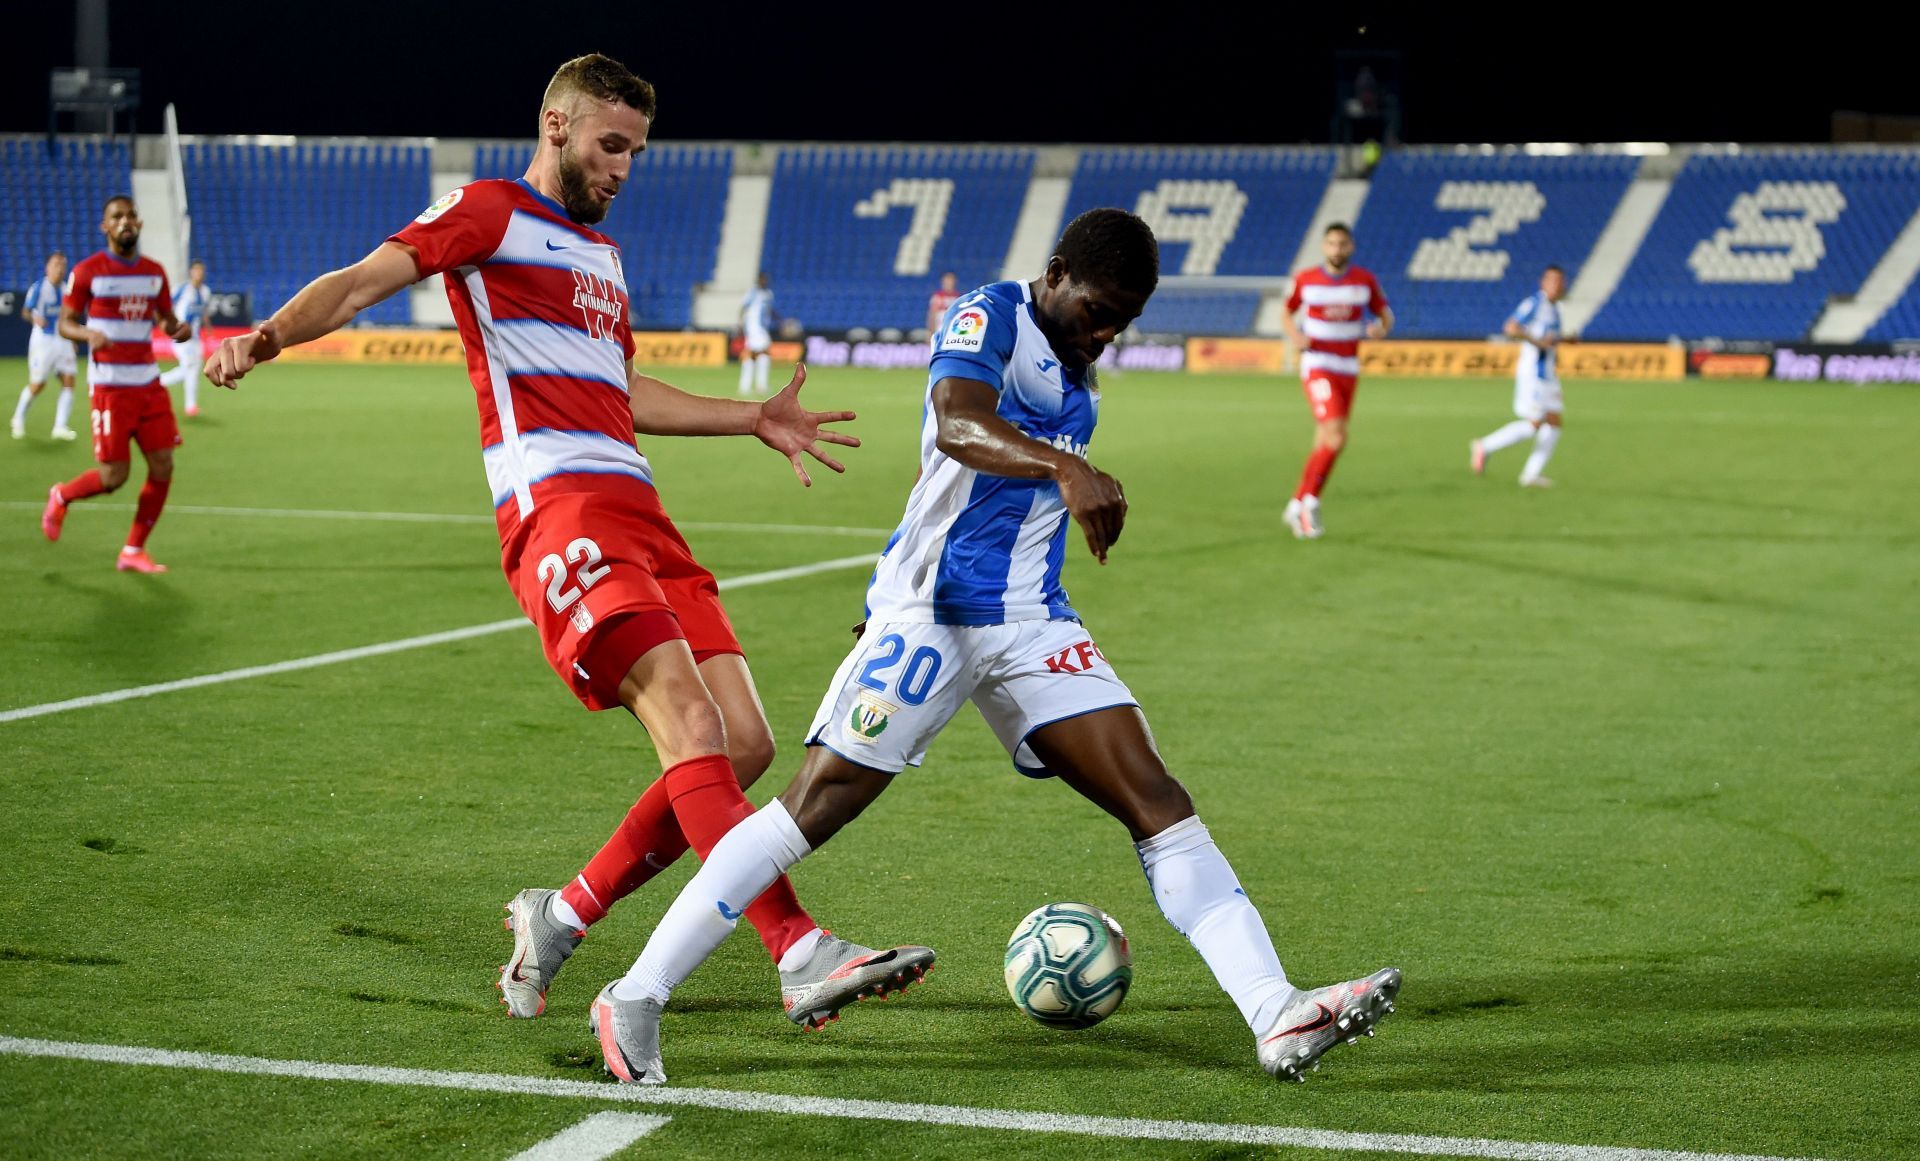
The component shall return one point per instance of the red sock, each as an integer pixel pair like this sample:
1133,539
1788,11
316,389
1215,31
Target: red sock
1319,467
153,497
708,802
81,486
647,842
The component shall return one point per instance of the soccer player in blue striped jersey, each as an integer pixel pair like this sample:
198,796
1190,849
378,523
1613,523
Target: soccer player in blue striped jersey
1537,403
967,605
48,355
190,304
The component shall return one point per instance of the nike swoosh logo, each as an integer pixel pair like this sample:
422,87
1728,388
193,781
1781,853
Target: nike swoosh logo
728,913
551,246
1325,1018
656,864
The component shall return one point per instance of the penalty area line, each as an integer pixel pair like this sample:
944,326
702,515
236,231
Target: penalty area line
952,1116
382,648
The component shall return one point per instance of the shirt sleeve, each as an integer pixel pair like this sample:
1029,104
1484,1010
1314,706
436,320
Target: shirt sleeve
166,295
461,229
976,343
1523,314
79,289
1376,301
33,297
1293,298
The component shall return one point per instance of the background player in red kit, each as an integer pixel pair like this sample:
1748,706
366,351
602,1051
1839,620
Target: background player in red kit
946,296
112,301
1338,297
625,614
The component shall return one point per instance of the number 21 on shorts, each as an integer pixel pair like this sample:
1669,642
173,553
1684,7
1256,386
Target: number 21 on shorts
915,678
582,552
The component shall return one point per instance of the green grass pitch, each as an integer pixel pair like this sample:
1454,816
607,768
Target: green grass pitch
1622,774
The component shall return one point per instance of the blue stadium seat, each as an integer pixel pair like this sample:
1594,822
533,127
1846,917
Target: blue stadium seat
1458,240
53,199
1901,320
1751,246
1217,212
840,242
268,219
667,222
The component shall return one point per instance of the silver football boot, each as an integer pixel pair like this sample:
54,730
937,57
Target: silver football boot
629,1036
540,946
838,973
1317,1020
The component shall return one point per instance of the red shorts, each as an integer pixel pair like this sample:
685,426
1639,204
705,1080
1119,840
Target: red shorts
605,576
123,416
1330,395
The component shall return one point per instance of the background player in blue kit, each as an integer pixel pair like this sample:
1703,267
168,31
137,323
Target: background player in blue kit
967,604
48,354
1537,402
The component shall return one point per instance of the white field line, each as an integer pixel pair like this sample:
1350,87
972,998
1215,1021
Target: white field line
594,1139
53,707
954,1116
444,518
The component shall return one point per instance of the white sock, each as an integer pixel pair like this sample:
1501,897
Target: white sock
760,364
746,372
1543,445
801,951
1200,896
191,380
759,849
169,378
63,408
20,409
1507,436
564,914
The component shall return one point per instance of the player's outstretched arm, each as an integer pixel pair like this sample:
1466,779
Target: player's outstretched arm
323,306
970,431
780,422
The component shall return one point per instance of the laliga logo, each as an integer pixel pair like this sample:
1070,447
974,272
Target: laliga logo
599,303
967,322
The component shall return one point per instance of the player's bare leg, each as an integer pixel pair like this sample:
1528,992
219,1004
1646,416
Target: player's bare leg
1109,757
153,498
1545,439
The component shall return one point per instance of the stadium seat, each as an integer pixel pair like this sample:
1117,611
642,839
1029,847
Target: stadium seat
857,236
269,218
667,222
53,199
1458,240
1752,245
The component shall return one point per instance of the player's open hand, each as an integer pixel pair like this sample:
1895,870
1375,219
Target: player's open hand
1095,501
1377,329
234,357
791,429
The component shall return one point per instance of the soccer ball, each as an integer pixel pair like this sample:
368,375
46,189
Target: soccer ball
1068,965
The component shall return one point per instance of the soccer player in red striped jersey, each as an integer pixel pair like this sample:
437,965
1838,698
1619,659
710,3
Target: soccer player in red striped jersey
626,616
1338,296
946,296
112,301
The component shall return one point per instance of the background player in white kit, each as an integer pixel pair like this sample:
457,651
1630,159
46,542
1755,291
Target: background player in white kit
965,605
757,318
48,354
1536,383
190,304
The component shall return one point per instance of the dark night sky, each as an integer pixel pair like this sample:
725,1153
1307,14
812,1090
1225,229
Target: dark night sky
968,72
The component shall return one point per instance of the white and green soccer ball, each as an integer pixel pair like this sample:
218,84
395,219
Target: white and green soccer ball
1068,965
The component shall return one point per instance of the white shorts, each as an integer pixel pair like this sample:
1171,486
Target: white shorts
47,356
1535,399
904,681
758,341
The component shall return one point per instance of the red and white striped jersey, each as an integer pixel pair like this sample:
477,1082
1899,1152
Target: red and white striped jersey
120,298
1337,308
541,303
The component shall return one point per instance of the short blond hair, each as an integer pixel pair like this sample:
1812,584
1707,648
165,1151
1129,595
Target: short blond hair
599,78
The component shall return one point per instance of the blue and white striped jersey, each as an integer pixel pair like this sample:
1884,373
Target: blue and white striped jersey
43,297
190,305
1539,316
976,549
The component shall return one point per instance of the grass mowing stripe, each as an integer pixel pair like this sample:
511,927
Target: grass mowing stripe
384,647
447,518
954,1116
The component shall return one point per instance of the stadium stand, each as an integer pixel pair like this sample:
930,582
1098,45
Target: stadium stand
857,236
53,199
1458,240
1901,320
1239,212
269,218
1750,246
666,222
